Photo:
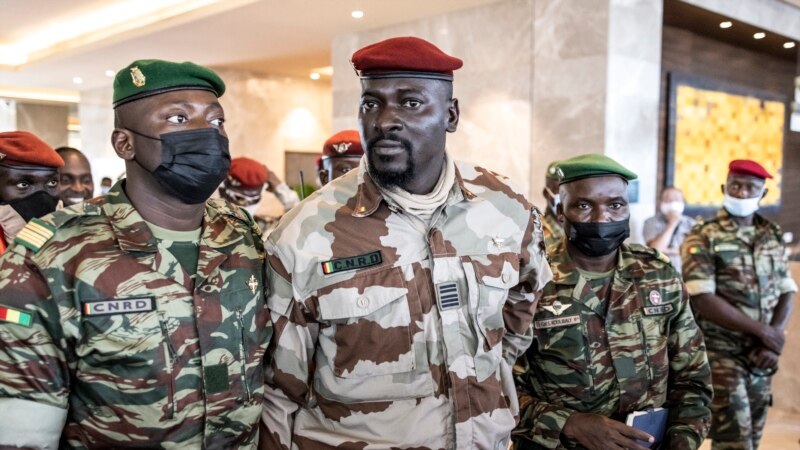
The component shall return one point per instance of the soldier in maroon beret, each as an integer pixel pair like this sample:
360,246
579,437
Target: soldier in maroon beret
28,181
736,271
341,153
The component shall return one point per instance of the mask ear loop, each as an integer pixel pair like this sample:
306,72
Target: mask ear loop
142,134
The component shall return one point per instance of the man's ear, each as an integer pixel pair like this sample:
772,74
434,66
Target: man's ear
453,113
323,176
122,141
722,188
765,192
560,212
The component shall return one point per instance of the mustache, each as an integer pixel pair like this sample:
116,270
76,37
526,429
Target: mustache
405,143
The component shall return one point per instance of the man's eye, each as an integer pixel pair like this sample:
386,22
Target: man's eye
218,122
368,104
52,183
23,185
345,170
412,103
177,118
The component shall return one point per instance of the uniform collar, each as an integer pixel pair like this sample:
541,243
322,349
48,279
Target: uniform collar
726,221
369,197
565,272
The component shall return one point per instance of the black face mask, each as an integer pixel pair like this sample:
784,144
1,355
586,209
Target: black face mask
598,239
193,163
35,205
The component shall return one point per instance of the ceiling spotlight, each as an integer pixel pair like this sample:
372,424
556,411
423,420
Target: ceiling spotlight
726,24
110,73
357,14
760,35
77,80
314,75
788,44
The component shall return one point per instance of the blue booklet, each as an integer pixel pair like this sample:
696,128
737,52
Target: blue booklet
652,421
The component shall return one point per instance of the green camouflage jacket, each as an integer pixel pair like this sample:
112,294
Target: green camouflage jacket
640,348
553,233
746,266
412,331
102,345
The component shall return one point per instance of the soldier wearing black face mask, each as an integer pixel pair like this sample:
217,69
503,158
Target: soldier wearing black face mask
614,332
153,291
28,182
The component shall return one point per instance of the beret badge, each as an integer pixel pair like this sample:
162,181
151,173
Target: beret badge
342,147
137,76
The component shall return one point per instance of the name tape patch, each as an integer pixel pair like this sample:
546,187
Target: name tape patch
119,306
657,310
557,322
352,263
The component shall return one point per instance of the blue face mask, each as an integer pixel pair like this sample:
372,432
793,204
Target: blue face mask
741,207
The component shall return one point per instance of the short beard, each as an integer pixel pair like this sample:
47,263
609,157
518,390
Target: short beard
391,178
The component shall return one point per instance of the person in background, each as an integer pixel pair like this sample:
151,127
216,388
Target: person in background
137,319
736,270
105,185
613,332
553,233
341,153
28,182
75,183
666,230
403,291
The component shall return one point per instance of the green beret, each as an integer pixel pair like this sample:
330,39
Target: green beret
552,171
591,165
147,77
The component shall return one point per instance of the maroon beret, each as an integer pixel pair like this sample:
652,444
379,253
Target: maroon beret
25,149
249,172
343,143
404,57
748,167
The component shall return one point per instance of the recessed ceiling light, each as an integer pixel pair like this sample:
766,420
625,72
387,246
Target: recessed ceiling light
357,14
77,80
726,24
788,44
760,35
110,73
314,76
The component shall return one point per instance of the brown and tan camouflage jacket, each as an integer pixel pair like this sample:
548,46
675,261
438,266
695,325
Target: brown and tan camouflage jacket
118,354
638,348
392,335
747,266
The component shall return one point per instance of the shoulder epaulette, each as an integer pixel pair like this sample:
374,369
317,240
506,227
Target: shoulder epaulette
637,248
228,209
40,230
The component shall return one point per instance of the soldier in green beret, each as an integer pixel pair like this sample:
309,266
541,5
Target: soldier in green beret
614,332
137,318
553,233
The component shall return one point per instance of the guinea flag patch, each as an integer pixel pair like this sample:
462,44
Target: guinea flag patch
16,316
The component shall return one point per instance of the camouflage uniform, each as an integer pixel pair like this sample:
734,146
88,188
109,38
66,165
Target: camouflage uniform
553,233
413,330
637,347
747,267
183,370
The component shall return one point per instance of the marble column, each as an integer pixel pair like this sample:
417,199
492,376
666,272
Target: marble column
8,115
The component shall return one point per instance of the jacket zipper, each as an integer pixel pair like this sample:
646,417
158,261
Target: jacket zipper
170,356
242,354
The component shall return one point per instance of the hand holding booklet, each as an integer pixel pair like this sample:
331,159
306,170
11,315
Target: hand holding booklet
652,421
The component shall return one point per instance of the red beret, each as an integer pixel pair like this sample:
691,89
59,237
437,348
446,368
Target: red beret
249,172
404,57
25,149
748,167
343,143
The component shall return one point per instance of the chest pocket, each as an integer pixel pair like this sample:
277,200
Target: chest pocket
561,353
489,278
366,349
654,330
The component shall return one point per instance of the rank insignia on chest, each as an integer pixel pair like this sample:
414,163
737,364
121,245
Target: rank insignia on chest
556,308
657,310
252,283
447,296
352,263
655,297
119,306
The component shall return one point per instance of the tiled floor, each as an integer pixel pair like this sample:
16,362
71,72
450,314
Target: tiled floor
781,433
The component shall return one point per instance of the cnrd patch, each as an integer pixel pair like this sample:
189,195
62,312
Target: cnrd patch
119,306
352,263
